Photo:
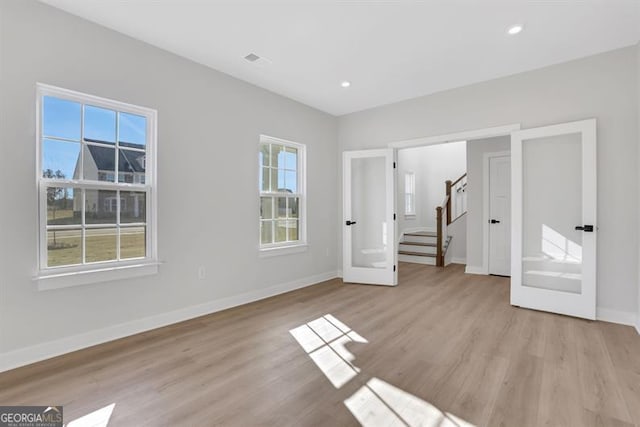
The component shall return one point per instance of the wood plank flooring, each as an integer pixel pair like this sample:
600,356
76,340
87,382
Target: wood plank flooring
441,344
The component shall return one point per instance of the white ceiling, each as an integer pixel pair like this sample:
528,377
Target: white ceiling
389,50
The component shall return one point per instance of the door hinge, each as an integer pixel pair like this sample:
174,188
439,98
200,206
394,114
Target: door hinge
394,165
394,217
394,268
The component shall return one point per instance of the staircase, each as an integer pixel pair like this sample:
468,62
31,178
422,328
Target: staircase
427,247
420,247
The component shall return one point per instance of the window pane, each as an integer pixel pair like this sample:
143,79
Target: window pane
133,206
133,242
64,247
292,229
290,181
281,231
263,157
266,233
266,207
274,180
60,159
64,206
282,207
101,206
100,244
294,202
99,163
133,130
61,118
264,179
99,125
277,156
131,166
291,159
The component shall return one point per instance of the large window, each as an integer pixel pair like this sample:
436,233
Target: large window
282,193
409,194
95,176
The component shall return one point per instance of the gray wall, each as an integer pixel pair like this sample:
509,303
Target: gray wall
476,150
638,127
601,86
208,134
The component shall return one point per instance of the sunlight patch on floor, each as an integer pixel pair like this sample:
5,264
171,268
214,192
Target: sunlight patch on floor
98,418
379,403
325,339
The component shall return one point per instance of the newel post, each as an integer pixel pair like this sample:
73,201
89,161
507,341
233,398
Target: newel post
439,257
448,195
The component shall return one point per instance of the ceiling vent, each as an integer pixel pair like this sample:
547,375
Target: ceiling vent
252,57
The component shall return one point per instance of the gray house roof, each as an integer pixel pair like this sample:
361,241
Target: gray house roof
128,160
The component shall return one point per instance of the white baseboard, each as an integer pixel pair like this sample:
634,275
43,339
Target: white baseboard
615,316
470,269
27,355
638,322
456,260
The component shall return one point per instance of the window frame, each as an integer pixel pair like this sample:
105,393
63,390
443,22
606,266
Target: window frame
51,277
410,213
289,246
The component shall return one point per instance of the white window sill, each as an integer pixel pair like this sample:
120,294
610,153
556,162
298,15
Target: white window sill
48,281
283,250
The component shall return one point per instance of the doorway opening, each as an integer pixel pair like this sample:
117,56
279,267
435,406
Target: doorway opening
467,197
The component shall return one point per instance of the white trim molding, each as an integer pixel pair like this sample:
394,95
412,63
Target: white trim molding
471,269
616,316
39,352
455,137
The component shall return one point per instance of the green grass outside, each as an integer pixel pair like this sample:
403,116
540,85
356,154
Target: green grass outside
100,245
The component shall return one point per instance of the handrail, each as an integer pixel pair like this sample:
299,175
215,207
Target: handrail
444,218
459,179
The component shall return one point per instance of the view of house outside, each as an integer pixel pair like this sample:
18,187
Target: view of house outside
81,143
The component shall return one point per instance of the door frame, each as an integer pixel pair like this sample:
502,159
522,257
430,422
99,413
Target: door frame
368,275
469,136
543,299
486,202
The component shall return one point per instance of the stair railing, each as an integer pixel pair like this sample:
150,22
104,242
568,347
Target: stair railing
442,221
457,193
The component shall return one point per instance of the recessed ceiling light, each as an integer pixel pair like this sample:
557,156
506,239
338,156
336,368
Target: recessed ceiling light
515,29
252,57
345,84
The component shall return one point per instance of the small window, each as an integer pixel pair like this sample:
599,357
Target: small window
95,182
281,182
409,194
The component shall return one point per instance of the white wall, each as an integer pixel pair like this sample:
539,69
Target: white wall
432,166
601,86
638,129
208,125
476,150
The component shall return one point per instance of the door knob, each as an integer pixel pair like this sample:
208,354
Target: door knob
494,221
585,228
350,222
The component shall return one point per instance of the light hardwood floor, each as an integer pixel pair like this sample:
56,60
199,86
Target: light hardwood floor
440,338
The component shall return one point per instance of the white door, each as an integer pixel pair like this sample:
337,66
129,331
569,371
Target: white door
500,215
553,260
369,230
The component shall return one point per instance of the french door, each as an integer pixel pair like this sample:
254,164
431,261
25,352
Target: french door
369,226
553,179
